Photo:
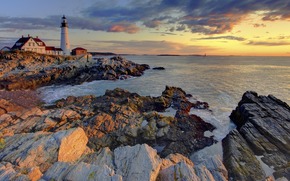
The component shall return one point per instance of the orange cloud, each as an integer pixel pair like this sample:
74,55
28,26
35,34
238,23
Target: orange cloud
124,27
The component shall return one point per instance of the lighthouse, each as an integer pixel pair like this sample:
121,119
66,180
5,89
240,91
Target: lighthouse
64,40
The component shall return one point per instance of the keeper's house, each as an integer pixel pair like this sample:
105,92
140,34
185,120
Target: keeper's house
35,45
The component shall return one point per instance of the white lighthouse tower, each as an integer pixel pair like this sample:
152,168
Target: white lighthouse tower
64,42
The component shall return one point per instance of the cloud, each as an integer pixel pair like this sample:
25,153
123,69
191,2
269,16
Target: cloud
197,16
7,41
205,17
150,47
263,43
222,37
152,23
257,25
124,27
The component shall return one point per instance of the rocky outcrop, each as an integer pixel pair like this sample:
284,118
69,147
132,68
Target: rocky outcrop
123,118
119,118
42,149
261,139
50,142
28,70
139,162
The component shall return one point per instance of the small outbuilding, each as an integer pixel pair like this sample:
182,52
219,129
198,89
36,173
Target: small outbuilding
79,51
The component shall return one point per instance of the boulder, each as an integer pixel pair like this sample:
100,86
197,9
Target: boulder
42,149
180,171
263,129
212,168
83,171
140,162
80,171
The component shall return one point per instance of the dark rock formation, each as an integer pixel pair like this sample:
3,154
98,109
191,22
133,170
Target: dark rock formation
158,68
263,129
27,70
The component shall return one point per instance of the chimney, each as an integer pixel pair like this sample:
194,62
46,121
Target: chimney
28,35
22,36
36,36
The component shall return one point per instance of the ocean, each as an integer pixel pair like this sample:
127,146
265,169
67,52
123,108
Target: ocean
218,80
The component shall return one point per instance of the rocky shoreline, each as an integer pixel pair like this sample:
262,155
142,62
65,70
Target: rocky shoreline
28,70
124,136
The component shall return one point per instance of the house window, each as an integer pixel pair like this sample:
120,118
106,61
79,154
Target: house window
29,44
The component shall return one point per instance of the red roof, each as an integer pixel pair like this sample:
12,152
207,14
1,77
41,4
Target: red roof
49,48
23,40
39,41
20,42
53,48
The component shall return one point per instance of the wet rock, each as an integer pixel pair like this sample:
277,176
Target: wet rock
263,125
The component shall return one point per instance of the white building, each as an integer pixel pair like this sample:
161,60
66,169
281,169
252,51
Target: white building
64,40
35,45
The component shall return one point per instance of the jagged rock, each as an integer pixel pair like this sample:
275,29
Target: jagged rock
7,106
7,172
118,118
263,123
180,171
123,118
173,159
140,162
29,70
104,157
43,149
240,159
81,171
212,169
204,174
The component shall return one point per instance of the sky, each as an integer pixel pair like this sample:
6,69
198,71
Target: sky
185,27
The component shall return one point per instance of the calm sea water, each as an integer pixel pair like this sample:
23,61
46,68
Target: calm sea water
220,81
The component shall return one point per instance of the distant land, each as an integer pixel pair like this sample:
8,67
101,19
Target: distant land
180,55
112,54
102,53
